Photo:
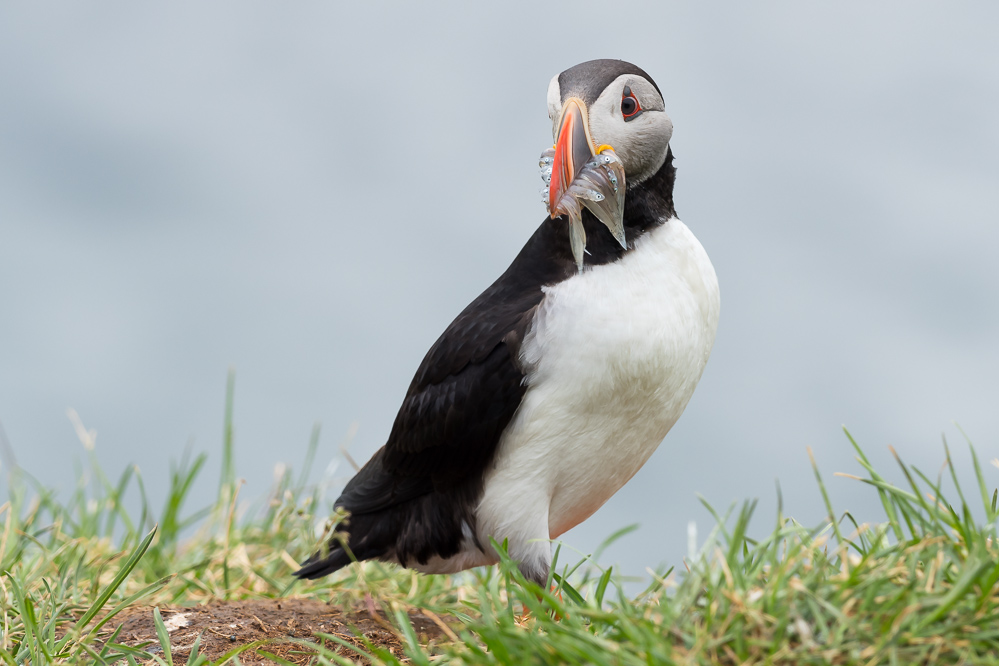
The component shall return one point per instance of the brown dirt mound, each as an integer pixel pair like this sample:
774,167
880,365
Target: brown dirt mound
226,625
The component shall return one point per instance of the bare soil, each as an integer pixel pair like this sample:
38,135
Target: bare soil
227,625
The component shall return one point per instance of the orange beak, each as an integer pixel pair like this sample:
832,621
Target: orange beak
573,149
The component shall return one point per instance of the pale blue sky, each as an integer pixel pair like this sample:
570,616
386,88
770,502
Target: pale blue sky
311,192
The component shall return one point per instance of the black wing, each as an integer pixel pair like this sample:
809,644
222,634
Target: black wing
467,389
411,499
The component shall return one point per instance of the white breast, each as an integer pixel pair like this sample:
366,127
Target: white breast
614,355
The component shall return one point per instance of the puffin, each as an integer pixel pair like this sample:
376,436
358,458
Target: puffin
550,390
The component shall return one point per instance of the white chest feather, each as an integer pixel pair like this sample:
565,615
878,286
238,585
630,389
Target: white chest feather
614,355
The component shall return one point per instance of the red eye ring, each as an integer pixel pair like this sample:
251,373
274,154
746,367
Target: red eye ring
630,108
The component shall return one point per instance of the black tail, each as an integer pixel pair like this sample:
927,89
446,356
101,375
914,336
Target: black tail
355,539
390,518
412,532
318,566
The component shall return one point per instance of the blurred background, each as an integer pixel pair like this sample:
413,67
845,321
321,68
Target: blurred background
310,192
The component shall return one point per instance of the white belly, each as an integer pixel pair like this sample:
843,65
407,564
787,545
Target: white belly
615,354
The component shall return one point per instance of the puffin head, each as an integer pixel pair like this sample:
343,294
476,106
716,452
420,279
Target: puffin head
609,103
611,134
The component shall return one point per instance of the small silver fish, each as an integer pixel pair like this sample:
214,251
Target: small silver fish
599,186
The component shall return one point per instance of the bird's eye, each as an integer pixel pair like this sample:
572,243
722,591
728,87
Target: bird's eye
630,108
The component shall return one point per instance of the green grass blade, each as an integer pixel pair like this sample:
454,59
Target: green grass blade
128,601
614,537
133,559
276,659
195,658
235,652
961,587
310,456
163,635
885,501
228,473
598,594
825,498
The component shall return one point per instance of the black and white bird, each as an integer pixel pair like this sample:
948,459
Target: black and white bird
554,386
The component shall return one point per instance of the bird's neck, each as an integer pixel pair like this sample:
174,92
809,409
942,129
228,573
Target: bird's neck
547,257
646,206
650,203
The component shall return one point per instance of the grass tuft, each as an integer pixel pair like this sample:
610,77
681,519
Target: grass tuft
917,587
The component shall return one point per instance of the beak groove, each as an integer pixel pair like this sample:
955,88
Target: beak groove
573,149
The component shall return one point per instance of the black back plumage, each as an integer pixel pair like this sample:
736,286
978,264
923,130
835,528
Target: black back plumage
410,501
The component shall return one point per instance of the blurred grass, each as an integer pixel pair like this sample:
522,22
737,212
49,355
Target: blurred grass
919,587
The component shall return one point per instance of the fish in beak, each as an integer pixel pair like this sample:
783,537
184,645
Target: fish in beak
578,173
